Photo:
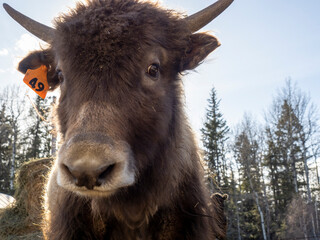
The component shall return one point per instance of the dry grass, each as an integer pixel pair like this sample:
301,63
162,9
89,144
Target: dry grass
22,219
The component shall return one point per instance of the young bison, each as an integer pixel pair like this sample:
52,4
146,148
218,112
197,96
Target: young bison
128,166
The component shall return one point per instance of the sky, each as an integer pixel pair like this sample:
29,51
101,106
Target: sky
263,43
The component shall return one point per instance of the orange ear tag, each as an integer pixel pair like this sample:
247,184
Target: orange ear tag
36,79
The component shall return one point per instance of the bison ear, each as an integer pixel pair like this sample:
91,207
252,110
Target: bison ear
200,46
220,198
36,59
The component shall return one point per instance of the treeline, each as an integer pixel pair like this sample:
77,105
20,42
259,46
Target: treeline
25,132
269,169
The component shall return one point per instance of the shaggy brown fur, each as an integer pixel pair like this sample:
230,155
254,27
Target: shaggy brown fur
110,105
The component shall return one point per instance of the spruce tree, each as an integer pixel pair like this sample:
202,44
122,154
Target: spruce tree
214,136
5,151
291,127
282,159
38,134
15,109
233,207
247,152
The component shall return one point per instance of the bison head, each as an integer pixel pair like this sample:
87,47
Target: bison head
117,63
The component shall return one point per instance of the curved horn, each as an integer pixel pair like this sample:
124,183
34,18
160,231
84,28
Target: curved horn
38,29
203,17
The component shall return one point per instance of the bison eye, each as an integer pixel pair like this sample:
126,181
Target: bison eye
153,70
60,76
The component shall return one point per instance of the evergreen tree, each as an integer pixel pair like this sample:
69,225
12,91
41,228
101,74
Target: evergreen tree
38,134
247,153
5,151
214,136
291,127
233,207
282,159
14,108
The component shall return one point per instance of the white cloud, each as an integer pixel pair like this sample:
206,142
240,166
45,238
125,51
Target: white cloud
27,43
15,62
4,52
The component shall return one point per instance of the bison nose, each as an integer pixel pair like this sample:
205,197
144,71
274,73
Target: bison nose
84,176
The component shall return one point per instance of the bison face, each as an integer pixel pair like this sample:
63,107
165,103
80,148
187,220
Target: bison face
118,70
114,120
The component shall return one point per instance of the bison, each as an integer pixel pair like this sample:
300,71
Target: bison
128,166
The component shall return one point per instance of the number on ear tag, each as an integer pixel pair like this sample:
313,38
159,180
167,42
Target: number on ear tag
36,79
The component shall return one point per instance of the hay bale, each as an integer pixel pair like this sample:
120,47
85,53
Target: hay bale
23,218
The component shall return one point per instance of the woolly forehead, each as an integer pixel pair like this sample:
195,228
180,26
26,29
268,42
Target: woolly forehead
112,31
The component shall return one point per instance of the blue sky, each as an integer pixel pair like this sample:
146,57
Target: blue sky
263,42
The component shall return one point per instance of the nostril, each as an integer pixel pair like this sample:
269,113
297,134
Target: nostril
67,171
71,175
104,174
78,177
